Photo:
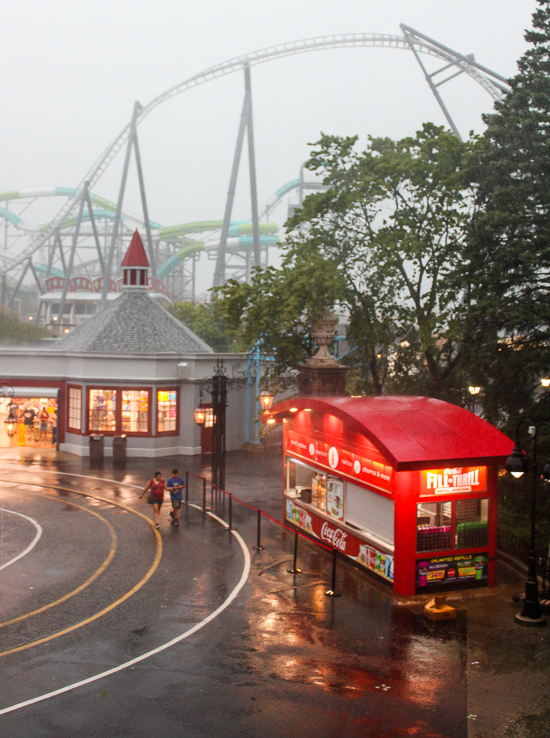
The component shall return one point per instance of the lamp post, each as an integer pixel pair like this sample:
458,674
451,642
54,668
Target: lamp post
217,386
517,464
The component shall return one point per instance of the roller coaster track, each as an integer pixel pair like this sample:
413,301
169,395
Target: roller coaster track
493,83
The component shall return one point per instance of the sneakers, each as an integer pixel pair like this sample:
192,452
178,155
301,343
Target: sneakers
171,516
177,523
157,526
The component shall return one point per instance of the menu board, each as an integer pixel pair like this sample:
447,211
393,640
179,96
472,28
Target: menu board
451,569
335,498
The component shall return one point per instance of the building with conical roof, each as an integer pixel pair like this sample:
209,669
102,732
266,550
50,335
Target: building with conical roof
130,370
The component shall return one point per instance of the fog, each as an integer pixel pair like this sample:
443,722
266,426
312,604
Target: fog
72,71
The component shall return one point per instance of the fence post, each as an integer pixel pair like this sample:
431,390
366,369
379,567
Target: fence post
187,488
258,546
211,496
332,591
230,513
204,494
294,569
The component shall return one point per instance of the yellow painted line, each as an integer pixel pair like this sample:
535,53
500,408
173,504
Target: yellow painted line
85,584
117,602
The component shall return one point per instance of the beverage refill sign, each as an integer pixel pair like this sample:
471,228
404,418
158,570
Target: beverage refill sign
458,480
335,459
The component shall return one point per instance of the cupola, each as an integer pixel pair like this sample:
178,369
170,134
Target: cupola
135,266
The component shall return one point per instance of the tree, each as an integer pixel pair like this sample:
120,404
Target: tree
507,262
206,321
279,307
394,219
13,331
383,242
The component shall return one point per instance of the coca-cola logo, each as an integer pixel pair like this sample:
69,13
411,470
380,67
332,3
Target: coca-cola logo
335,536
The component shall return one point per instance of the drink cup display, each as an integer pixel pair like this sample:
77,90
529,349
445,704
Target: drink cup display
479,563
422,569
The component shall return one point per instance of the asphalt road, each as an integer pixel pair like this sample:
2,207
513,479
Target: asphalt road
205,636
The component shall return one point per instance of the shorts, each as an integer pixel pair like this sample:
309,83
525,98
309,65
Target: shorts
43,426
157,502
176,504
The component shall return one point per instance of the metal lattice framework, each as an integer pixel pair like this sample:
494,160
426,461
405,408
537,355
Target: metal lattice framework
412,40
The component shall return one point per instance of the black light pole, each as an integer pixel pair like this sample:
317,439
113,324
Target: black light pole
219,403
517,465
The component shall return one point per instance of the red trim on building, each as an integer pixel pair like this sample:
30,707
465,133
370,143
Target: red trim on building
118,410
82,390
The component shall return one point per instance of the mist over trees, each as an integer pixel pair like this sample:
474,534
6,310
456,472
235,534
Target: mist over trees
438,251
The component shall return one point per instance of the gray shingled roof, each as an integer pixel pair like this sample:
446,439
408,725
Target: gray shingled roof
132,324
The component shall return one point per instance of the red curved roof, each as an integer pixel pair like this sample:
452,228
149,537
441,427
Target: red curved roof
413,432
135,256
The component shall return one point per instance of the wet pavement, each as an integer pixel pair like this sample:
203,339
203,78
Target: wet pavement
202,635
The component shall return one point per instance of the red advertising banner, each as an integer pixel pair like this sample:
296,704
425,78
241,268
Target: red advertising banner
339,460
348,544
458,480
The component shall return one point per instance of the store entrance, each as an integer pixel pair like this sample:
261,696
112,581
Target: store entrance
27,420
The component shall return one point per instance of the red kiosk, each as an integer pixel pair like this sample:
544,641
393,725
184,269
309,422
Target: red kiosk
405,487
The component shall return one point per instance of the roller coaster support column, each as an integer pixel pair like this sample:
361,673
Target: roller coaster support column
252,168
145,209
116,223
219,273
69,269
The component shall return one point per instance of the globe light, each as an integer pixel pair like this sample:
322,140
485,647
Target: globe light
545,381
474,390
200,416
516,463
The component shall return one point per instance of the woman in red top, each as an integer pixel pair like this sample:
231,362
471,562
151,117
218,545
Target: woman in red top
155,487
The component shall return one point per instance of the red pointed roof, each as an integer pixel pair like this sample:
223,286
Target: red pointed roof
135,256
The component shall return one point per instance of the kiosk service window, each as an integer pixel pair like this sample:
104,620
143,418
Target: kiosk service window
452,524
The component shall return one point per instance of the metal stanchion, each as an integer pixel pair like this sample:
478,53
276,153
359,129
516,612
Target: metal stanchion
204,494
211,496
294,569
187,488
332,591
258,546
230,513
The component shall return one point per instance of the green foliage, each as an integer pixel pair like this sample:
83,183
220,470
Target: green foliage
208,323
15,332
508,257
277,309
393,222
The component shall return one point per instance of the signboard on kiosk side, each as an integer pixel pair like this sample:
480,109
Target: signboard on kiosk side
451,569
342,540
373,473
455,480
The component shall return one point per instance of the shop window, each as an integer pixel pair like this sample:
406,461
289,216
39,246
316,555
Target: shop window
135,411
307,484
433,526
102,410
75,408
167,411
471,523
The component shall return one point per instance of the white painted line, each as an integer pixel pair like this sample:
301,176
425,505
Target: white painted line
31,545
159,649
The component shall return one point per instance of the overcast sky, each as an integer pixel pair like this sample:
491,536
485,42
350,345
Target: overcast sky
72,71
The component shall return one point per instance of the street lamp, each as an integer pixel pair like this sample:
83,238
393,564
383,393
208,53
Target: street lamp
517,465
200,415
266,400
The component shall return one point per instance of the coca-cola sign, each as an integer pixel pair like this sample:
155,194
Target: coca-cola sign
336,537
359,550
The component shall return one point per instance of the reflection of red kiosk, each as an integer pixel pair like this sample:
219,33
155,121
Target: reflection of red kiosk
406,487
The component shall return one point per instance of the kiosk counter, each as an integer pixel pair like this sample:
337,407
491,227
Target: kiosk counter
405,487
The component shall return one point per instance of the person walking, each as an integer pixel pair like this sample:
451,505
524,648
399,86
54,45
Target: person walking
175,486
155,487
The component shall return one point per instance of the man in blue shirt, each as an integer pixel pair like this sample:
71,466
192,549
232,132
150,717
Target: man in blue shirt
175,486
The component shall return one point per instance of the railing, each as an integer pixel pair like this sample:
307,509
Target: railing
218,497
517,547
